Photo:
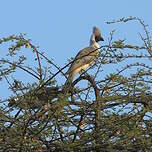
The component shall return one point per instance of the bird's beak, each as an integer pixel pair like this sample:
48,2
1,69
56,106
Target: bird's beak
101,39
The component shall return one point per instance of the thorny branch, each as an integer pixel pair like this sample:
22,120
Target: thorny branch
95,117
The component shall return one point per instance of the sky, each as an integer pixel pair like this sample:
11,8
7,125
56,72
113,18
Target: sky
61,28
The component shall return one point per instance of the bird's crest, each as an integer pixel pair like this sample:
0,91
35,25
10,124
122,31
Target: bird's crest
97,34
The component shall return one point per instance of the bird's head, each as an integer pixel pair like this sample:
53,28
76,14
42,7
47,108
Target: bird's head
97,34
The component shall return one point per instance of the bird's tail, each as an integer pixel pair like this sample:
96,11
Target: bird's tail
68,83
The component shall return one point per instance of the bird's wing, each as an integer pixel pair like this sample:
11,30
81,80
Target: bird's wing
85,56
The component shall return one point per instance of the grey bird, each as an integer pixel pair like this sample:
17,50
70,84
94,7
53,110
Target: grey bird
34,100
86,57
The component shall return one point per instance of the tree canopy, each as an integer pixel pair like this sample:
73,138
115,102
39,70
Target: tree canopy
107,108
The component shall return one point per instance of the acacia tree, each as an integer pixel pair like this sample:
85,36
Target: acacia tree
101,111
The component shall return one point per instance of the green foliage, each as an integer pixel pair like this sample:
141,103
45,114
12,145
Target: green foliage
111,112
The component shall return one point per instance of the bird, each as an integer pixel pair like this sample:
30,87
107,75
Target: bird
35,100
85,57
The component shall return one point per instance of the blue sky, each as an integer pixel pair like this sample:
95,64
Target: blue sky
62,28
